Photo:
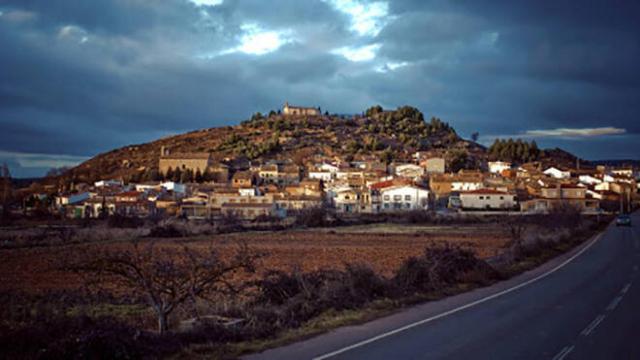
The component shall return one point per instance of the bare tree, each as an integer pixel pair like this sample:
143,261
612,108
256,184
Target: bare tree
517,227
165,277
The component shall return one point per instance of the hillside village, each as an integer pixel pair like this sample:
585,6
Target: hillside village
385,162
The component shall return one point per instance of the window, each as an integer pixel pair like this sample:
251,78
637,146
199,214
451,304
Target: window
397,197
407,197
386,205
501,197
488,197
386,197
481,197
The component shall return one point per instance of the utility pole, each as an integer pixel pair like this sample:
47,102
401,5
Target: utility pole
6,188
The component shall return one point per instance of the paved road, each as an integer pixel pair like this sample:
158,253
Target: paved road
583,305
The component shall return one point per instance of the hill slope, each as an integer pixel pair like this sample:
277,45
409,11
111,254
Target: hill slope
386,135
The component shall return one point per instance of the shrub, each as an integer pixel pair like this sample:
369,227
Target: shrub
165,231
297,297
75,338
316,217
440,267
565,215
128,222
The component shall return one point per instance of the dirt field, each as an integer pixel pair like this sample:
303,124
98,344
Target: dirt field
382,246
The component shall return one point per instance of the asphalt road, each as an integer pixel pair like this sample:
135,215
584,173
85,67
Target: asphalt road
582,305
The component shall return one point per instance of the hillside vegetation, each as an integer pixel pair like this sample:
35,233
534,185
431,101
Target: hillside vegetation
386,135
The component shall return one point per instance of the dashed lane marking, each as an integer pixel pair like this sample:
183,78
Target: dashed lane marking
591,327
563,353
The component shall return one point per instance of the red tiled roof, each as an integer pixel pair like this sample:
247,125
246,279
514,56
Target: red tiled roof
247,205
128,194
389,183
486,191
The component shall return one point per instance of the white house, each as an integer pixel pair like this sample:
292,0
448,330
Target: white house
589,180
328,167
497,167
488,199
554,172
248,191
404,197
624,172
144,187
466,185
618,178
409,170
70,199
174,186
321,175
348,200
105,183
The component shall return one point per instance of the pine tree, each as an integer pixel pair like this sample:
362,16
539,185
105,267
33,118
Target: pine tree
177,175
169,174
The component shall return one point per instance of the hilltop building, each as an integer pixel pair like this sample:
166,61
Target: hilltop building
298,110
199,161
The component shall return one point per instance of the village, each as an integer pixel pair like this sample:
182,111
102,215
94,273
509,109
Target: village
198,186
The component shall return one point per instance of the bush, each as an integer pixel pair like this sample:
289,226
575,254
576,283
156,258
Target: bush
298,297
315,217
124,222
75,338
441,267
165,231
565,215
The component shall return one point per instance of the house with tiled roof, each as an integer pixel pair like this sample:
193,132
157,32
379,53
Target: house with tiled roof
488,199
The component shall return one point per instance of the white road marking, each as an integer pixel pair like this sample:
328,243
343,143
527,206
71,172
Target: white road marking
614,303
625,288
458,309
563,353
594,324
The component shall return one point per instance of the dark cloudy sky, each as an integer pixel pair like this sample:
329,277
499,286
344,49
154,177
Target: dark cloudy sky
80,77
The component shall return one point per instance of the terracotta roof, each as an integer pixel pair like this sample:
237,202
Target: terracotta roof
247,205
486,191
246,175
128,194
564,186
389,183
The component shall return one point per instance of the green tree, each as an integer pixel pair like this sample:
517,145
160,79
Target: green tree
387,156
457,159
169,174
177,175
257,116
374,110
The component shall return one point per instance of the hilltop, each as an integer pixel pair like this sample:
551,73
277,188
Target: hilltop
386,135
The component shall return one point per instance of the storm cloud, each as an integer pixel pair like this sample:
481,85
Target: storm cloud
78,78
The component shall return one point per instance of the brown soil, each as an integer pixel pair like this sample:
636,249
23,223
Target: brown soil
35,270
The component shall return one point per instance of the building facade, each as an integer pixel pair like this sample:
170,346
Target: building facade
299,110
